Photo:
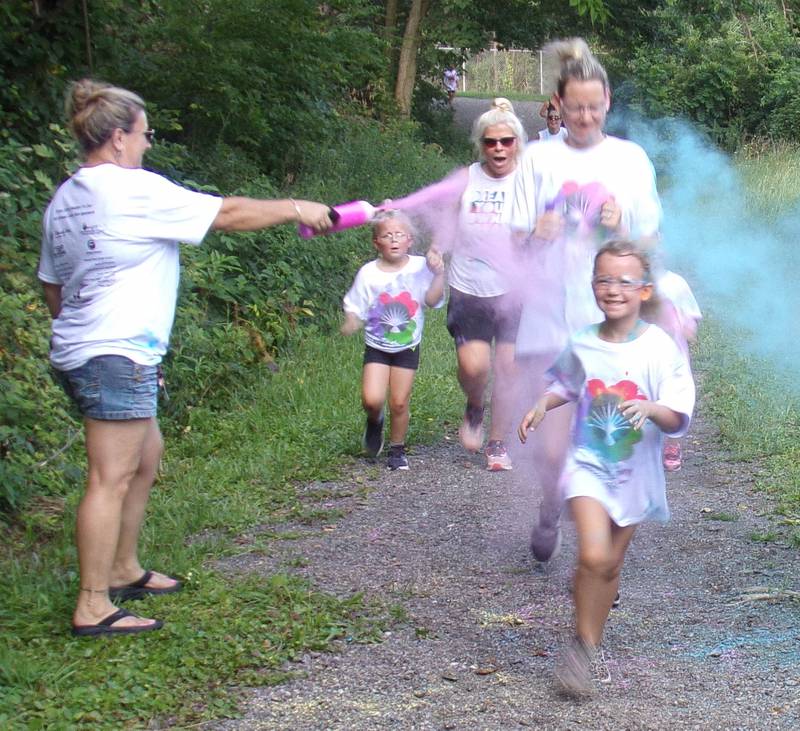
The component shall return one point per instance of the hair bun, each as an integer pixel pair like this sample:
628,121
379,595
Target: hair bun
502,104
83,92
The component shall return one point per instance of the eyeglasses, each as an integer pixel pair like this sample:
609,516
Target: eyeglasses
504,141
398,236
626,284
553,118
149,135
593,109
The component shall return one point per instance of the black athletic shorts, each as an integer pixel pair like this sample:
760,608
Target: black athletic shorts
408,358
482,318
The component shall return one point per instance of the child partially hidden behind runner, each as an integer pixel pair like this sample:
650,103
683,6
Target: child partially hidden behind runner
388,298
633,385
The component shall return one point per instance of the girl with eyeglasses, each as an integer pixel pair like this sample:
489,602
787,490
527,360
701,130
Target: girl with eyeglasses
109,266
632,385
388,299
570,196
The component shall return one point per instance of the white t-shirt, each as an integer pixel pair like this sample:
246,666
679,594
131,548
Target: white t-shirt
575,182
451,79
391,304
110,239
678,313
608,459
545,134
481,256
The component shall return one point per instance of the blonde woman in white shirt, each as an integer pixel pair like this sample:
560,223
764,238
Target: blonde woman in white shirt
109,266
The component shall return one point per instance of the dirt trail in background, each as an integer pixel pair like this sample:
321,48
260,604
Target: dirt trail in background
447,541
466,110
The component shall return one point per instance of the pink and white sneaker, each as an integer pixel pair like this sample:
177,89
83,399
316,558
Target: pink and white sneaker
497,458
672,457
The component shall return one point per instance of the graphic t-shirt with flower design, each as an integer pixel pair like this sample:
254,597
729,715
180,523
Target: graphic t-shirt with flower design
391,304
609,460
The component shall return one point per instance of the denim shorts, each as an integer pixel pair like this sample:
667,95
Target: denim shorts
112,388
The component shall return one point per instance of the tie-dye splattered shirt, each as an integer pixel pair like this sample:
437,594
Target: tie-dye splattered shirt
391,304
609,460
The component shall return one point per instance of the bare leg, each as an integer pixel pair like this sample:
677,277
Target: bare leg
601,552
374,384
550,444
401,380
474,362
126,568
114,450
503,391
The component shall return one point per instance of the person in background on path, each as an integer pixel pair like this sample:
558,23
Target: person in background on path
632,384
109,266
554,130
550,104
570,196
678,315
388,298
468,213
450,80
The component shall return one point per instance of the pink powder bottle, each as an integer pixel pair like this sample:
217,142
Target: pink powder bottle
344,215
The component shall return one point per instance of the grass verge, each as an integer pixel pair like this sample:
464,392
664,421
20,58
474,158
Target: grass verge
757,410
222,473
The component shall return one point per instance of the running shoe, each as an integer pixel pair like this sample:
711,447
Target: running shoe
672,457
574,668
545,542
497,458
397,459
373,437
470,433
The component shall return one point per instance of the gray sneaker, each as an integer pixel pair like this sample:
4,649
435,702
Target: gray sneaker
546,542
373,437
397,459
574,668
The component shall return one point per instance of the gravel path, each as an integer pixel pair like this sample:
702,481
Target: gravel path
465,110
447,542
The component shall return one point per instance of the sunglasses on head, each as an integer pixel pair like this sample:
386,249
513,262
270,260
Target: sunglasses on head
504,141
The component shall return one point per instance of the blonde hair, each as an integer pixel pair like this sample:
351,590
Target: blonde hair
95,110
624,247
577,62
392,214
501,112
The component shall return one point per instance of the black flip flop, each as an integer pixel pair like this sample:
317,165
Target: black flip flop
139,589
106,626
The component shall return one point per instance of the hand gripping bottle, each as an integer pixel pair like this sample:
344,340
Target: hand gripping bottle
345,215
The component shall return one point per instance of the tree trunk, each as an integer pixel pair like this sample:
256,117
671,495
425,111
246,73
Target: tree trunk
390,22
407,66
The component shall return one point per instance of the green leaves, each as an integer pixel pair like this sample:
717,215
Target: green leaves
731,70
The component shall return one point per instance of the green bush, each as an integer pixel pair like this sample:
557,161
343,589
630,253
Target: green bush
35,423
732,70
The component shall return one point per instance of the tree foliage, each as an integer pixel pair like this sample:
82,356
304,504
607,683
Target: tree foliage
732,67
